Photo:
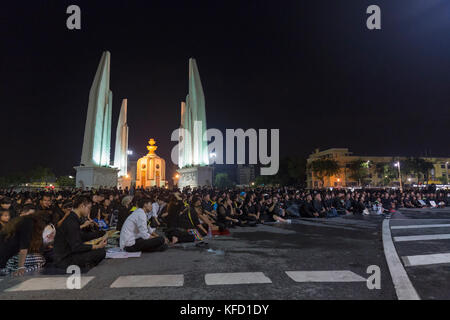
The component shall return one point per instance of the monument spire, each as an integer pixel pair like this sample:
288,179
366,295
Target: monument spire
97,132
121,149
193,152
94,170
196,102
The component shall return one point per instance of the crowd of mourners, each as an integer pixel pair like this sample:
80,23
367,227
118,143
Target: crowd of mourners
46,232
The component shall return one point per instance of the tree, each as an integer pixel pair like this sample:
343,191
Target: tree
387,171
41,174
359,171
65,181
322,168
266,180
222,181
423,168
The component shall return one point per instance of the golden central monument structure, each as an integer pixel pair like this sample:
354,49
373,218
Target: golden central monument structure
151,169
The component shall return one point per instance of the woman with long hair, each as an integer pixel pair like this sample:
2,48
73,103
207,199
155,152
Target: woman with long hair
21,244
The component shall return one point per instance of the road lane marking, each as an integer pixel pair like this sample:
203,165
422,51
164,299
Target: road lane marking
176,280
325,276
421,226
236,278
51,283
426,259
425,237
402,284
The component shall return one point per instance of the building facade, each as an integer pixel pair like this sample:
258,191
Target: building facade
343,178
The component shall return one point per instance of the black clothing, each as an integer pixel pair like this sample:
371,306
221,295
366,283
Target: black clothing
69,247
20,240
318,207
148,245
94,211
124,212
53,214
307,210
173,218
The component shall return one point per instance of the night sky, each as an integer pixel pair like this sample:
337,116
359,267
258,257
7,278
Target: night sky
309,68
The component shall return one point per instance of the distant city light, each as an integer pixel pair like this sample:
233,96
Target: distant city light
129,152
70,177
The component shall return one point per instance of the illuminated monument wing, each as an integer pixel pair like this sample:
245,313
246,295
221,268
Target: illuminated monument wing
193,156
120,154
94,170
121,149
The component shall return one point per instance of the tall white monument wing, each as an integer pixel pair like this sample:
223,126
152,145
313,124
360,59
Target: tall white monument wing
196,103
95,147
120,154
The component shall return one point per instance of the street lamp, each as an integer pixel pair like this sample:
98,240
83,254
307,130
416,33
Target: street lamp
397,164
368,171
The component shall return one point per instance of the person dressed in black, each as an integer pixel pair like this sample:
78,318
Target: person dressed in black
69,247
308,210
22,238
124,211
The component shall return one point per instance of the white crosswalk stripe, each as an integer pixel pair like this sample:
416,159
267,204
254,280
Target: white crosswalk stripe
425,237
236,278
426,259
325,276
423,259
144,281
421,226
51,283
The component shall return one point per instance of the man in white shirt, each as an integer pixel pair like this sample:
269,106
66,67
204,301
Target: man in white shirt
136,235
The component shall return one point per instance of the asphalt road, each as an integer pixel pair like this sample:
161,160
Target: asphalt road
422,237
343,247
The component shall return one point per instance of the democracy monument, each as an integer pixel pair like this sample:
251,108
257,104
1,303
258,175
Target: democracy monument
95,170
193,148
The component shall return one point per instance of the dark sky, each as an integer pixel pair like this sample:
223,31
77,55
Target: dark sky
310,68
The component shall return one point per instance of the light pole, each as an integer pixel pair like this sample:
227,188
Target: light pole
397,164
368,172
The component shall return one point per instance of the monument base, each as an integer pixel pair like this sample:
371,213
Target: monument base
195,177
96,177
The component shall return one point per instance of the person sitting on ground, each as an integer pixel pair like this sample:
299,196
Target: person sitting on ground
27,210
21,243
124,211
5,216
69,246
307,210
6,203
275,211
137,236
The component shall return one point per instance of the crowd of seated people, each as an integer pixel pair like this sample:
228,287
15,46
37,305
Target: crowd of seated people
44,230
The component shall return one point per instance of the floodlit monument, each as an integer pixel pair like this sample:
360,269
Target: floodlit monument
121,149
151,169
94,170
193,151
